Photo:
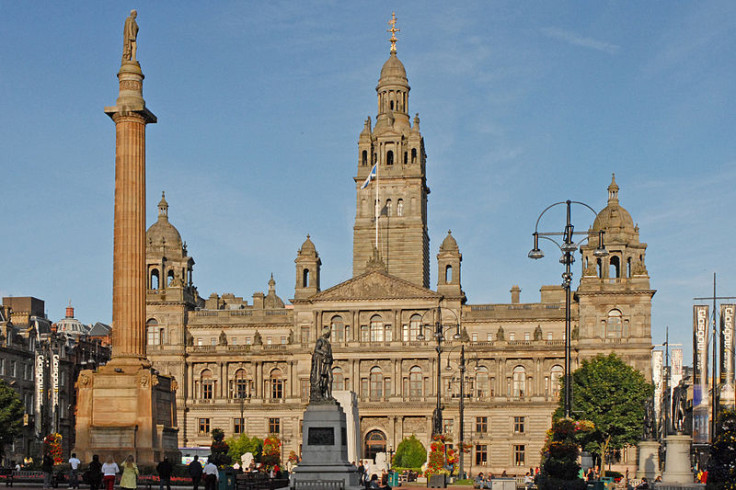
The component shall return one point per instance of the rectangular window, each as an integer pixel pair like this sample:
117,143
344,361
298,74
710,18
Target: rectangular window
364,388
239,425
12,369
519,455
449,427
512,336
305,335
248,341
207,390
2,367
527,336
274,425
213,341
154,336
268,341
519,425
405,333
234,341
277,388
475,337
200,342
283,340
481,425
304,389
204,426
490,337
481,455
365,334
387,384
549,336
389,335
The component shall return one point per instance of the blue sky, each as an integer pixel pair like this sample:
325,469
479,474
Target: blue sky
260,105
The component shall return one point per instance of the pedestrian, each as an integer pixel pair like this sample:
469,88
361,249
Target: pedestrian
94,473
74,471
164,470
211,475
110,469
130,474
47,466
195,472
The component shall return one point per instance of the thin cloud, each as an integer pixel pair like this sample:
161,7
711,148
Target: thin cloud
577,40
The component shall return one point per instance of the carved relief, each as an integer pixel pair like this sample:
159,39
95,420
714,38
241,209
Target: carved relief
415,425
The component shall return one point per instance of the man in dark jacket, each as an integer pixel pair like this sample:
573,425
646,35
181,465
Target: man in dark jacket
195,472
164,469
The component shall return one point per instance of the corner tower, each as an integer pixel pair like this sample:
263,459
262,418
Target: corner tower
391,204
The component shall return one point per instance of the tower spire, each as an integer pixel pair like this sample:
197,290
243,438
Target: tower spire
393,32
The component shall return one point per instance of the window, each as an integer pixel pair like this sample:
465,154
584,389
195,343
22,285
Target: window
204,426
415,382
239,425
614,270
449,426
482,385
481,455
519,425
338,379
365,335
481,425
527,336
390,154
277,384
556,375
400,208
283,340
512,336
413,329
155,334
154,279
305,278
364,158
242,384
489,337
12,369
304,389
376,383
337,327
448,274
413,155
389,207
304,335
208,385
519,382
376,329
614,325
274,425
519,455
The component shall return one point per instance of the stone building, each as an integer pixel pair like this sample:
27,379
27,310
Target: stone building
243,366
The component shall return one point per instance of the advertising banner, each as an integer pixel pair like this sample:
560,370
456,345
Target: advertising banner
701,410
726,396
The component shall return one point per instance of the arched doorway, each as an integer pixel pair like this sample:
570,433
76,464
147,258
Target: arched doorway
375,442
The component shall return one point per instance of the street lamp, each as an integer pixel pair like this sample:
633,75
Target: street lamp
439,335
568,248
461,366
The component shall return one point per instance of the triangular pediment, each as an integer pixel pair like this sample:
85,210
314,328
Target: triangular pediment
375,285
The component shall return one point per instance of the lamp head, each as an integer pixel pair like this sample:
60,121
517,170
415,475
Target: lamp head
535,252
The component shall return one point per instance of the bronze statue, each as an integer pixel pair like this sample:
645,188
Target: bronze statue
130,34
649,430
321,375
679,407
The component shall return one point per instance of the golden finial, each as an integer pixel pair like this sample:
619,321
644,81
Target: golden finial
393,32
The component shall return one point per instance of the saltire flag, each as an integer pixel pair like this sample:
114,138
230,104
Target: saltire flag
371,176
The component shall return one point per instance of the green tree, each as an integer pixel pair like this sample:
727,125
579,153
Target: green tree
244,444
410,454
11,415
722,463
612,395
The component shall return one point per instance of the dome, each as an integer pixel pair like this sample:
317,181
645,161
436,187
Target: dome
393,69
162,231
449,244
307,247
272,300
70,325
613,219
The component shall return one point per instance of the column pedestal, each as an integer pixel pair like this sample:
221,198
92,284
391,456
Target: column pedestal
677,462
648,460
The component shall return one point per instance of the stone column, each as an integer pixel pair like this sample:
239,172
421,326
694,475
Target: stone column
129,256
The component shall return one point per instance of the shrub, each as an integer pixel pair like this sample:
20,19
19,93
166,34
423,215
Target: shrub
410,454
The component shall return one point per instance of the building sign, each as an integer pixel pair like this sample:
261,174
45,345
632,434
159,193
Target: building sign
727,355
38,405
701,412
657,380
54,389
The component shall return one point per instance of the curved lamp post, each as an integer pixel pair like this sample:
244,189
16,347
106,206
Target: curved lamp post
462,367
439,336
567,246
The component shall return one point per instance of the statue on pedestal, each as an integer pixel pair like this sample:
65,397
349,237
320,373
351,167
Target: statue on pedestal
679,408
321,374
130,34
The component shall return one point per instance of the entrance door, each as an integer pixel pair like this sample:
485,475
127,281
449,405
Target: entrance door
375,442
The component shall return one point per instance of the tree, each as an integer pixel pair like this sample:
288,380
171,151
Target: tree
244,444
722,463
11,415
612,395
410,454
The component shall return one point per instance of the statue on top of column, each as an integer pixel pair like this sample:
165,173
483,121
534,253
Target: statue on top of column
130,34
320,377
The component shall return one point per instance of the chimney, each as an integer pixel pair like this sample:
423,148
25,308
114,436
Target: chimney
515,293
70,311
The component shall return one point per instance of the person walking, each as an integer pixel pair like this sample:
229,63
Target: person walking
130,474
211,475
47,466
164,470
195,472
94,473
74,471
110,469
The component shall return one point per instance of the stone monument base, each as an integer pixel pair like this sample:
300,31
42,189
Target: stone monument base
677,461
324,449
126,408
648,460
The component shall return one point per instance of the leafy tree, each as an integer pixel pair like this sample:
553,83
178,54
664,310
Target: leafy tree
410,454
612,395
722,463
244,444
11,415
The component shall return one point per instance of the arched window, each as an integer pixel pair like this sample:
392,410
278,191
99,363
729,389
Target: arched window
389,207
305,278
448,274
208,385
614,268
400,208
338,379
614,324
337,326
170,278
389,157
242,385
519,382
415,382
482,385
154,279
376,383
155,334
375,442
628,267
376,329
277,384
555,375
413,155
364,158
415,327
406,157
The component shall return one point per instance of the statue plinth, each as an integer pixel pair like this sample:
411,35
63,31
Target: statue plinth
648,460
677,461
325,447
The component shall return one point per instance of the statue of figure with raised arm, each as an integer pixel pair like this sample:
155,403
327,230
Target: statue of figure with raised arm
321,375
130,34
